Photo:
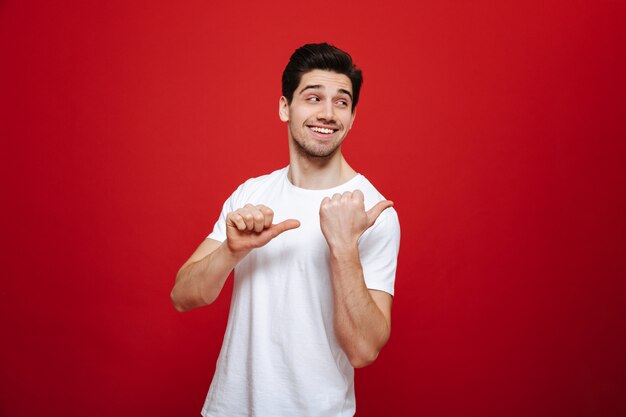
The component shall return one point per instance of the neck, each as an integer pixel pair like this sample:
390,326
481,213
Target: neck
319,173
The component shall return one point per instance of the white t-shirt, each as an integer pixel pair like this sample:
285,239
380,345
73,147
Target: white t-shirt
280,356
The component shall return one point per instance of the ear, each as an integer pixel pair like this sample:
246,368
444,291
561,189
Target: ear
283,109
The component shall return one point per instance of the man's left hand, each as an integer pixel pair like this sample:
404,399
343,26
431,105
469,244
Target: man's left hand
343,218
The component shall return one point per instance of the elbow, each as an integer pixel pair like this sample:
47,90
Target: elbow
176,303
363,359
177,296
184,301
365,353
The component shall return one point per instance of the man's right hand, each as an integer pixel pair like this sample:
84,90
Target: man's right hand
251,227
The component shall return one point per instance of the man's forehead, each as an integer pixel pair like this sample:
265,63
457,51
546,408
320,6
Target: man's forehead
326,80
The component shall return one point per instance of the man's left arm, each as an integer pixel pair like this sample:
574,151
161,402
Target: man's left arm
362,317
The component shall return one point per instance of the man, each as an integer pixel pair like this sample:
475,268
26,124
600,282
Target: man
314,249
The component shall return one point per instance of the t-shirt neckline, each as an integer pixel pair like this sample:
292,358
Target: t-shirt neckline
330,191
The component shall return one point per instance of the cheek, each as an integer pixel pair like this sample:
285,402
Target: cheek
348,121
298,117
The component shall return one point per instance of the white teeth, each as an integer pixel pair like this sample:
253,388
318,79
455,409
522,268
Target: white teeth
322,130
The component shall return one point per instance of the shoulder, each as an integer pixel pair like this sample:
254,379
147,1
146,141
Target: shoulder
263,180
370,193
259,185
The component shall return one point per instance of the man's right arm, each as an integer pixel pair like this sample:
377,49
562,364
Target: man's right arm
201,279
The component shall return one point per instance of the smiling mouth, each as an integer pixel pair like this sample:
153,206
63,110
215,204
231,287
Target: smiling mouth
323,130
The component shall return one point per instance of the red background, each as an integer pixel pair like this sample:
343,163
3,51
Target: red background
498,128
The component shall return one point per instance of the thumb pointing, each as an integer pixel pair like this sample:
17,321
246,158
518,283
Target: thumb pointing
374,212
283,226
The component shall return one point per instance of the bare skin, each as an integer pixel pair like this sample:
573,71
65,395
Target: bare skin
362,317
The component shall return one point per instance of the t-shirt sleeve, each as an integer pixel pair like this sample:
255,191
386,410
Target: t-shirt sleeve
230,205
378,249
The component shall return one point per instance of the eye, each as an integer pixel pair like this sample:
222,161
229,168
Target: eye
313,99
343,103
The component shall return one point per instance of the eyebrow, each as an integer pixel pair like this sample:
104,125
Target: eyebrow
321,87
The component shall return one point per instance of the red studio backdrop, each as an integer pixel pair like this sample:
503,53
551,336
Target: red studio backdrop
498,129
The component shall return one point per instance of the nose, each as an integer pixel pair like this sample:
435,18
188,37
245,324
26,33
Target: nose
327,111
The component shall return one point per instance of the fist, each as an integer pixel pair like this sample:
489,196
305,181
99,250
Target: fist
251,227
343,218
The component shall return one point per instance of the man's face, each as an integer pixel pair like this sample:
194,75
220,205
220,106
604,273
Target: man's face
320,114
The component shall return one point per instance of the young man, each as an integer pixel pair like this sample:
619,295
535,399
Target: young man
314,249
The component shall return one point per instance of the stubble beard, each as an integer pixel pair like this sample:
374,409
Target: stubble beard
315,151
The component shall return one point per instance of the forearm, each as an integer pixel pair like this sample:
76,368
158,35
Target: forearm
360,326
199,283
